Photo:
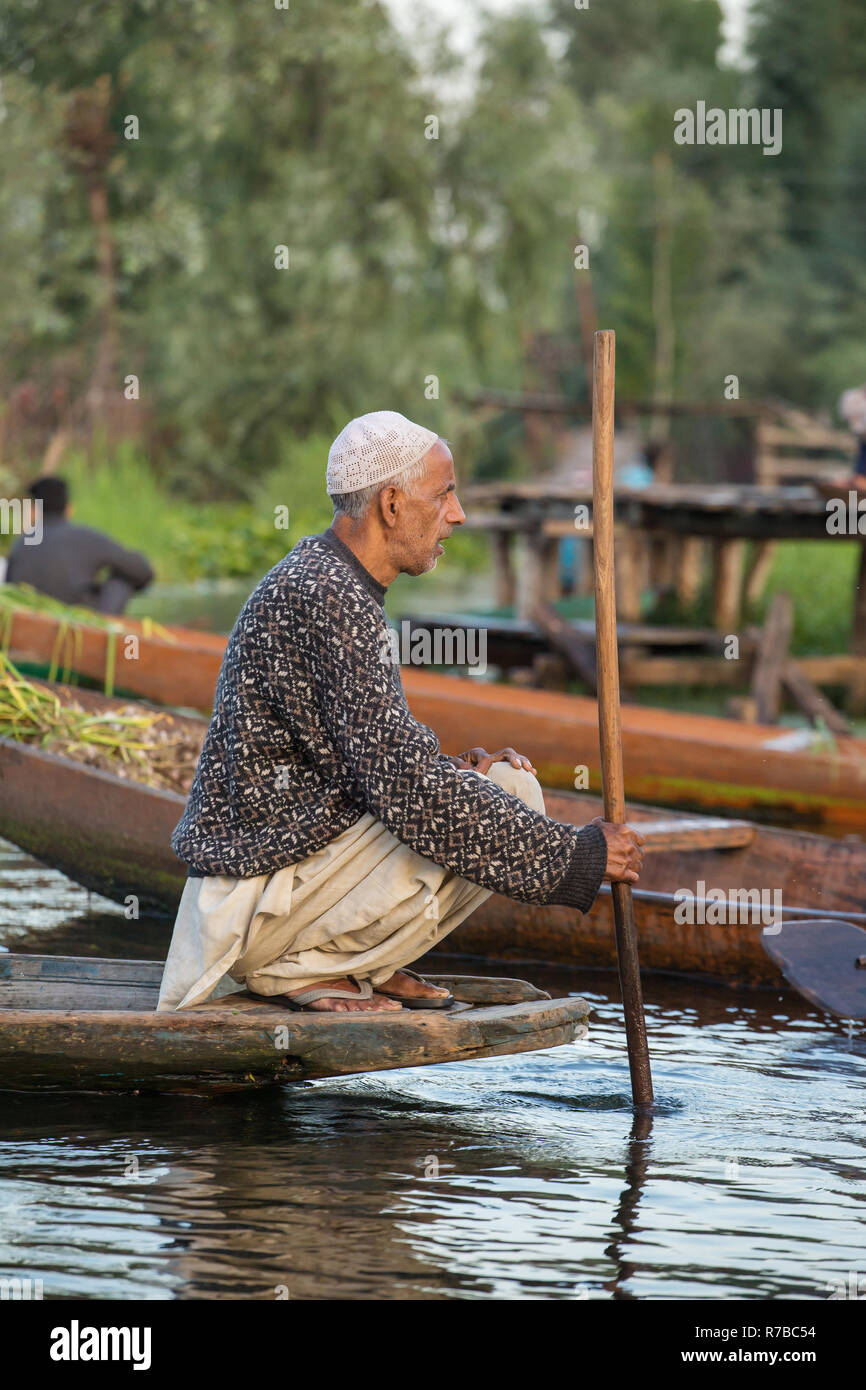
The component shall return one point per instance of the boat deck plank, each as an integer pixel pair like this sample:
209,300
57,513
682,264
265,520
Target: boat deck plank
61,1027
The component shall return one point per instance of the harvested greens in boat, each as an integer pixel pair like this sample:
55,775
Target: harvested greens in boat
16,596
124,740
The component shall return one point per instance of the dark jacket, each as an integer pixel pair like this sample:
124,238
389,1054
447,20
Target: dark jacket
71,563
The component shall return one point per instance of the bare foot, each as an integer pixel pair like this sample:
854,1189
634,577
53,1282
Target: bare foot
338,1005
409,988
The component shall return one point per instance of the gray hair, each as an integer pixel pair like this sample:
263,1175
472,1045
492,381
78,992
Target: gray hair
356,504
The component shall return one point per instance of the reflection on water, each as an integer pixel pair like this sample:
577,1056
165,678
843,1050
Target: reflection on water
523,1177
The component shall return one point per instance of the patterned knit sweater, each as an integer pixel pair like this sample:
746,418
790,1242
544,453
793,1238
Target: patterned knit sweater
311,729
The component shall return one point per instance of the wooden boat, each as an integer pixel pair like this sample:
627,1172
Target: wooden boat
68,1023
687,761
112,835
180,668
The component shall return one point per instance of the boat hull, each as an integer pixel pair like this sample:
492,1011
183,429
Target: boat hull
100,1043
686,761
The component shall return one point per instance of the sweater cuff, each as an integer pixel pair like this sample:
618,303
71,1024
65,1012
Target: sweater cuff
582,879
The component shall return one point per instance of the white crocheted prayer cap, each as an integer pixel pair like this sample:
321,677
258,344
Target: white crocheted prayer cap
372,448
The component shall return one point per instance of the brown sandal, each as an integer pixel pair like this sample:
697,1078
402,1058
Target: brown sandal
301,1002
443,1001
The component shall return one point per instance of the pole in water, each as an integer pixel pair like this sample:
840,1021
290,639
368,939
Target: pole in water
609,722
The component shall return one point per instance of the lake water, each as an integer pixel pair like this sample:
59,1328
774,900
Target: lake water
214,604
523,1177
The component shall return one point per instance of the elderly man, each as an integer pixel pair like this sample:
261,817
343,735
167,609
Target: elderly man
329,842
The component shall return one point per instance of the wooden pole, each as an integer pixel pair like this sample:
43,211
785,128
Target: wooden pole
770,658
609,723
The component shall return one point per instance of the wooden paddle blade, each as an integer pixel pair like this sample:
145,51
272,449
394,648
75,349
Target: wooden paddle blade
820,959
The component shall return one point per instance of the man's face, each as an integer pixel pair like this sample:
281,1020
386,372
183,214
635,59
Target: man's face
427,515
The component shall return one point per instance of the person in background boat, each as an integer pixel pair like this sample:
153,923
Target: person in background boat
74,563
329,841
852,408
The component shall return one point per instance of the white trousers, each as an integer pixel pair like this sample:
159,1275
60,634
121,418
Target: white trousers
365,905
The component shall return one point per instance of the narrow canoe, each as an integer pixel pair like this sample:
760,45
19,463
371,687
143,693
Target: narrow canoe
112,835
180,669
686,761
68,1023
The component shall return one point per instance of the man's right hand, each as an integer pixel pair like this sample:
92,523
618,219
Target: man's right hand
624,851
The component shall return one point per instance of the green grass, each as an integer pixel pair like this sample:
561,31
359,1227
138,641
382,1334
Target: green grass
819,576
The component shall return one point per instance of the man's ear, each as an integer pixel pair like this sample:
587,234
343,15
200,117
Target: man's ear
389,505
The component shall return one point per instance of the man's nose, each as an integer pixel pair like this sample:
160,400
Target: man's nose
456,514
